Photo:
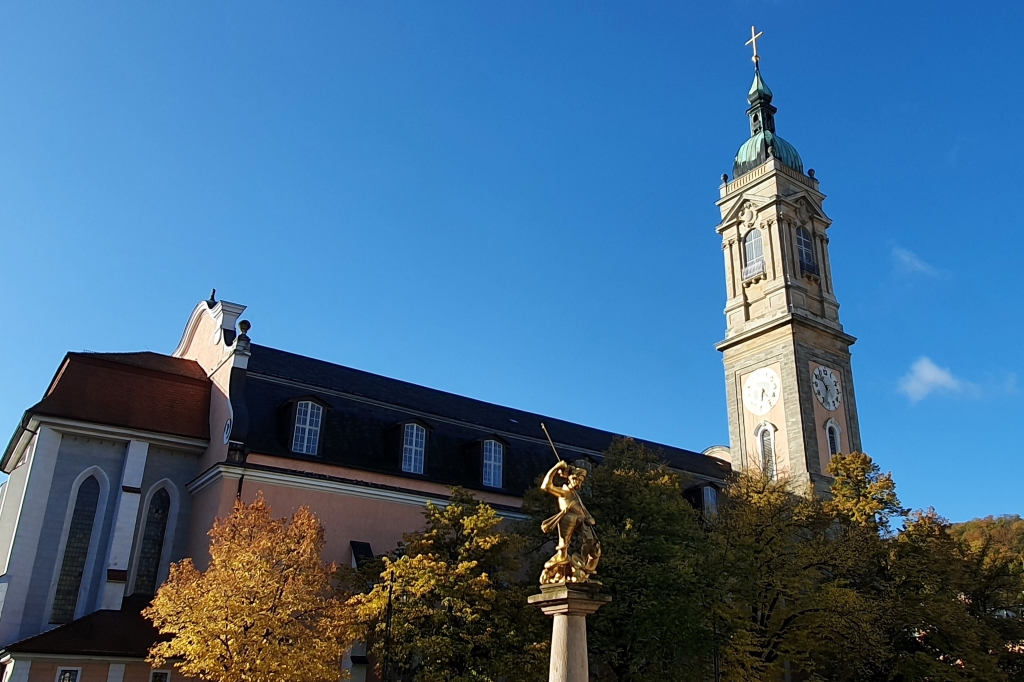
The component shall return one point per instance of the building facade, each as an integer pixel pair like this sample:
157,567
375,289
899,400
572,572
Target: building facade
123,466
789,383
129,458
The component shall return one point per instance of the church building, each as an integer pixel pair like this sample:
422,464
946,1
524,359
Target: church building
126,461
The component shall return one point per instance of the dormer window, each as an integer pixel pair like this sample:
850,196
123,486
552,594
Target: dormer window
753,255
308,416
413,446
494,453
709,501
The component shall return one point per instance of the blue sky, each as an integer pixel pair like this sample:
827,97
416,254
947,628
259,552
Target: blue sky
515,201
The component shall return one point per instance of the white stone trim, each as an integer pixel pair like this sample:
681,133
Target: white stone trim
27,530
291,480
169,529
223,312
124,435
81,608
16,670
126,513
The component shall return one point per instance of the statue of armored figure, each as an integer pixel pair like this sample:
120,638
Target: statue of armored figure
572,520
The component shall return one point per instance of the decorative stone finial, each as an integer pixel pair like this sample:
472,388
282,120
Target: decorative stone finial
771,151
810,172
242,341
725,178
213,298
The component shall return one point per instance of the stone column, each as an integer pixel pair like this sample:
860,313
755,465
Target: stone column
569,604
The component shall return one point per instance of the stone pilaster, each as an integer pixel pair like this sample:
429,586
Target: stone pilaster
125,514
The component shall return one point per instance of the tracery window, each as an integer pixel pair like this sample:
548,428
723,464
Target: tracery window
76,552
753,254
414,445
307,427
152,545
493,455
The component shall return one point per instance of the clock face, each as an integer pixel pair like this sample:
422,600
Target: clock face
826,388
761,390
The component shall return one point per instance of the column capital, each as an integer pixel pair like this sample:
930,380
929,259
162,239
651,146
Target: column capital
569,599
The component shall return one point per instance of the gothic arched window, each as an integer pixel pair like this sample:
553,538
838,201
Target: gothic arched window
76,552
152,545
804,246
753,254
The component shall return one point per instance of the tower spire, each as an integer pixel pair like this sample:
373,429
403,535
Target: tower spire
753,41
763,142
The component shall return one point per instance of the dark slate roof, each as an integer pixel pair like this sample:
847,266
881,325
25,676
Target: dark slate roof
365,412
117,634
144,391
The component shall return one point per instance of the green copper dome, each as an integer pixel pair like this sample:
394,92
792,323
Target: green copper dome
763,139
754,152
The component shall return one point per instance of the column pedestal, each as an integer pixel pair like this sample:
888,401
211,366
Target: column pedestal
569,605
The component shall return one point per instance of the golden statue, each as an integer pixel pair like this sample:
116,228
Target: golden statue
571,520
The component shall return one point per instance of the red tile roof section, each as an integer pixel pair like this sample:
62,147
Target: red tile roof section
143,391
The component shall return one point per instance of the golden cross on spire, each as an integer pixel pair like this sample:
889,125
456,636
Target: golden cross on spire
753,41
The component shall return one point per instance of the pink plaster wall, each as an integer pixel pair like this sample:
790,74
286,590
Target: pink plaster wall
45,670
345,517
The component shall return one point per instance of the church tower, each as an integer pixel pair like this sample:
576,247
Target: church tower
789,383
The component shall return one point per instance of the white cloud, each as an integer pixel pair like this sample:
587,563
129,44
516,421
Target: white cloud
925,378
910,262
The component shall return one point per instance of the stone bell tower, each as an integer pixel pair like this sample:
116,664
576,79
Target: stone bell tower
787,359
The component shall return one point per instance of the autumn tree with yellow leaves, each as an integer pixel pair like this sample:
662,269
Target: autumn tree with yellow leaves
265,609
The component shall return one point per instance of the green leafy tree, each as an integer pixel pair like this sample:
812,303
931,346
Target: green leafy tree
944,592
782,600
653,549
458,611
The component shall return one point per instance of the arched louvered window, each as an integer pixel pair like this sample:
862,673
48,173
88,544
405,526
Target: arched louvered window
76,552
152,545
834,444
753,254
768,453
